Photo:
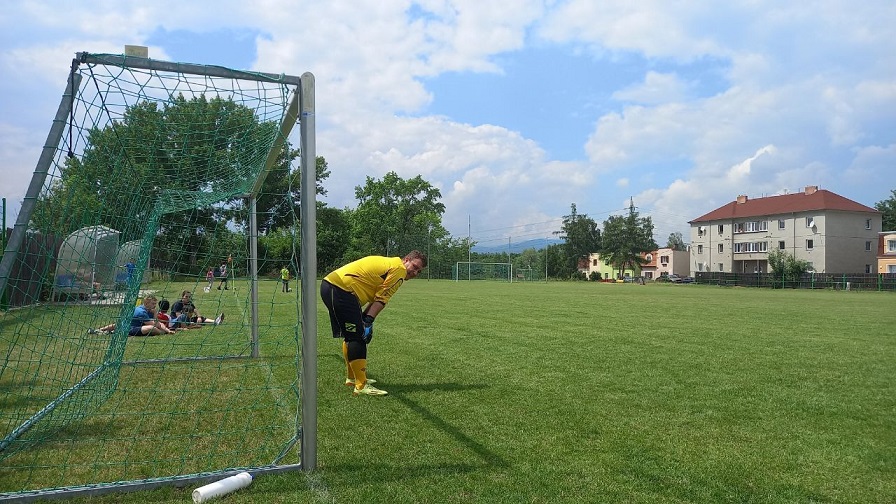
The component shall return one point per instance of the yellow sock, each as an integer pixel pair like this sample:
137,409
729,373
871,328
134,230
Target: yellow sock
359,366
348,368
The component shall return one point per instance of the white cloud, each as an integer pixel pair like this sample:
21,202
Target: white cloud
656,88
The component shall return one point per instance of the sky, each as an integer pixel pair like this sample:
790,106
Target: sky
516,110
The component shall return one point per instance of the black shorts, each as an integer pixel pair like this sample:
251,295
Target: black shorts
345,312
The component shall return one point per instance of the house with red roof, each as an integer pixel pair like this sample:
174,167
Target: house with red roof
834,234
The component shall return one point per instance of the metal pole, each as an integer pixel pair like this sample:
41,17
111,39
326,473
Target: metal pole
253,272
308,249
38,179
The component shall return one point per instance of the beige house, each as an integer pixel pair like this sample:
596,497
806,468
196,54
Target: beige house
665,261
886,252
834,234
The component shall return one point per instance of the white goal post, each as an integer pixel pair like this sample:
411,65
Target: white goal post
469,270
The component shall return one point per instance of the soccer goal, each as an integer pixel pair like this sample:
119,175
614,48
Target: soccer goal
502,272
154,177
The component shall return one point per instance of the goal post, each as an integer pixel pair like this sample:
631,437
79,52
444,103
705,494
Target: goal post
470,270
154,175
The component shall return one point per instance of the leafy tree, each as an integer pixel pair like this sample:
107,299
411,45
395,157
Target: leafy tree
395,215
785,266
333,237
272,209
531,261
625,238
676,242
557,264
154,164
887,208
581,238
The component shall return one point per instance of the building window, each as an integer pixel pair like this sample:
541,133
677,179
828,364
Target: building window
810,244
781,245
810,221
891,268
749,227
721,228
721,267
750,247
721,248
594,262
699,249
700,230
664,260
867,223
867,246
891,246
780,223
867,268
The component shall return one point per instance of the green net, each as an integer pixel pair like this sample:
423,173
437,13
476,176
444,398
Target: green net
482,271
147,188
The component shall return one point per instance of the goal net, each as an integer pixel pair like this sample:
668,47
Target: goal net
483,271
160,179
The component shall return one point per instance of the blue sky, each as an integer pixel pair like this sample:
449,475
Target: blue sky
517,109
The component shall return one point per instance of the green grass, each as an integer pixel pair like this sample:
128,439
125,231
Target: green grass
587,392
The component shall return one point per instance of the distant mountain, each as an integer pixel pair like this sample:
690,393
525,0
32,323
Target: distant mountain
516,248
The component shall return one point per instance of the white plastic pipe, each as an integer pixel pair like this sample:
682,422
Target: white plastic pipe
221,487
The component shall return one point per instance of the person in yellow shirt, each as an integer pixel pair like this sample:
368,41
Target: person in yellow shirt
354,295
284,278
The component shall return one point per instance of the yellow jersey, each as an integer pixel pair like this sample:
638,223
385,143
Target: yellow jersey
372,278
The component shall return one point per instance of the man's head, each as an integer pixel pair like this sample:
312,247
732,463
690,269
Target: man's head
186,296
414,263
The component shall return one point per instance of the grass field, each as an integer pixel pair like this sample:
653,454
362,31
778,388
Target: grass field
588,392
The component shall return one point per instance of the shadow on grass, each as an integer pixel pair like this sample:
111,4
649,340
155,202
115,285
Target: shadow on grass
399,392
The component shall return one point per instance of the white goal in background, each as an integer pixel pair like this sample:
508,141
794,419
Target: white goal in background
466,270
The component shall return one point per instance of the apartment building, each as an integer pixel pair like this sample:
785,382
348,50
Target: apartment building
834,234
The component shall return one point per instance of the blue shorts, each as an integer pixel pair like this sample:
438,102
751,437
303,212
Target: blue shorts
136,331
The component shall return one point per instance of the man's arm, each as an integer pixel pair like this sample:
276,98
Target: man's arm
374,308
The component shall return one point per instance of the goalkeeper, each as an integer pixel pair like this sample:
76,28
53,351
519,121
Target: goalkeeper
354,295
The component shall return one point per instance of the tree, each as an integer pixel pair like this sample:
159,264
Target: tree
581,238
887,208
396,215
333,237
273,211
785,267
155,164
676,242
625,238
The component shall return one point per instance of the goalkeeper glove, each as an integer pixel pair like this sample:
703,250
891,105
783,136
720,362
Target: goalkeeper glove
367,335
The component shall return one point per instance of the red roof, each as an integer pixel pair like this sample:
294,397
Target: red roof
785,204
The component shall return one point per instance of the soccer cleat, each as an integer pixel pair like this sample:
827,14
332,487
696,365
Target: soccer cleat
350,382
219,319
369,390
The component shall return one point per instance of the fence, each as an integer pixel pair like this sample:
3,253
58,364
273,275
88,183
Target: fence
833,281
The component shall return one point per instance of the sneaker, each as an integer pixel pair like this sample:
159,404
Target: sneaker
219,319
97,331
369,390
350,382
